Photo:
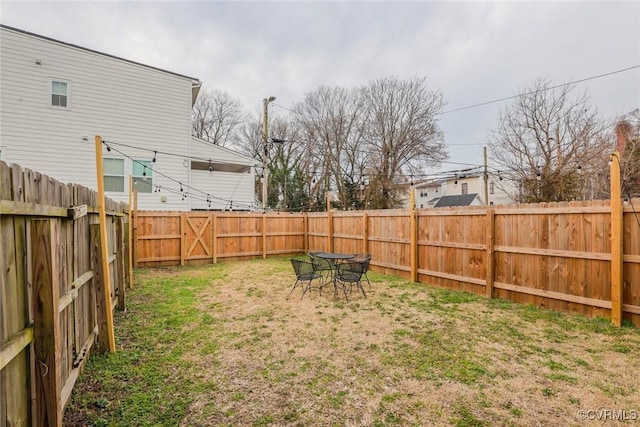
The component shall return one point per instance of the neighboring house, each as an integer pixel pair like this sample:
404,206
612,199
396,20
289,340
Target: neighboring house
429,193
55,97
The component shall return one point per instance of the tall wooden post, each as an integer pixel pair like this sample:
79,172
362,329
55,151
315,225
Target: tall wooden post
46,318
329,224
414,236
616,241
103,244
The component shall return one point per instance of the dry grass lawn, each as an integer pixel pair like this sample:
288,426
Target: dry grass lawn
408,355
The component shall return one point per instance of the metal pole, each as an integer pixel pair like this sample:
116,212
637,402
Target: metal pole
265,170
486,179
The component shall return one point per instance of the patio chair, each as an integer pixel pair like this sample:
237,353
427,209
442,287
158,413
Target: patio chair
305,274
323,266
350,272
363,257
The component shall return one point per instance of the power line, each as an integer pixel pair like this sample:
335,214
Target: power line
519,95
535,91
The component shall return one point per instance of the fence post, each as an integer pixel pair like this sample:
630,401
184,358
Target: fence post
264,235
329,224
616,241
414,237
183,238
120,254
490,230
365,232
214,257
103,297
134,224
46,328
305,225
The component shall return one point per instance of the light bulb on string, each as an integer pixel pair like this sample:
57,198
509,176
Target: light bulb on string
155,154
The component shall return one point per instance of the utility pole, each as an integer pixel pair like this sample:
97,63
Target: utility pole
265,166
486,179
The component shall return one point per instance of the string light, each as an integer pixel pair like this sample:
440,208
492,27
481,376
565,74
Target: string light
182,187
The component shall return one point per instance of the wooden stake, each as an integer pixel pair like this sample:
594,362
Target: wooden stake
616,241
103,244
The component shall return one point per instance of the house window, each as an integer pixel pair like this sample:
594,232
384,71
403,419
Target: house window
60,92
141,173
491,189
465,188
114,175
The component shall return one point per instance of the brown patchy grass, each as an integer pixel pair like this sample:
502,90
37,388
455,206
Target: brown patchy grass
408,354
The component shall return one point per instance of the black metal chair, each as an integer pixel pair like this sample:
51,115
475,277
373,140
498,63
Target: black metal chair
305,274
324,266
350,272
363,258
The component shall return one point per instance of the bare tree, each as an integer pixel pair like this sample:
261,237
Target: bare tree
629,129
330,121
401,133
215,117
545,139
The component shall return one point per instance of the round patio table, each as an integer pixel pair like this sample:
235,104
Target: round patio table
334,259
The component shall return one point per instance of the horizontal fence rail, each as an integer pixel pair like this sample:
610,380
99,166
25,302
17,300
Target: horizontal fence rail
51,318
553,255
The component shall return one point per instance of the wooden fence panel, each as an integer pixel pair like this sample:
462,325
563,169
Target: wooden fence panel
348,232
60,305
554,255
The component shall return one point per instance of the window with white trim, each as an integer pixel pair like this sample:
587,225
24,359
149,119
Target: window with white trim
491,188
60,94
141,173
113,175
465,188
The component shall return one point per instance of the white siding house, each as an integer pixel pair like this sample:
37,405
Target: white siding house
429,193
55,97
232,174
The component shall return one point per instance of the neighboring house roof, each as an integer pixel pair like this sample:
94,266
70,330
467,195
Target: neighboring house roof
196,84
459,200
431,183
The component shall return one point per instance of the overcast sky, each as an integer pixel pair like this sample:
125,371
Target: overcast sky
473,52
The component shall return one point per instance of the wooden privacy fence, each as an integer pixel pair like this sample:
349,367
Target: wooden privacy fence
555,255
52,310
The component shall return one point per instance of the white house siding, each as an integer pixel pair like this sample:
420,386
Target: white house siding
228,190
121,101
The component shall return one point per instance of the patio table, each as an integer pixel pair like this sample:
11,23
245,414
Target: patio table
333,260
